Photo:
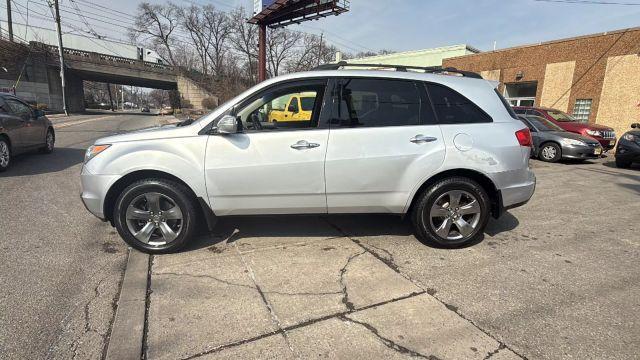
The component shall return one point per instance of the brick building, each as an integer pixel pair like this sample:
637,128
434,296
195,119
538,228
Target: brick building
595,77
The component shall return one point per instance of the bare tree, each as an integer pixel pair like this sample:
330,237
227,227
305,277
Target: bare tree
281,45
218,27
193,21
245,41
156,24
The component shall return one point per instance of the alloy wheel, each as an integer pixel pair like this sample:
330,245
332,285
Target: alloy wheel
50,140
455,215
549,152
154,219
4,154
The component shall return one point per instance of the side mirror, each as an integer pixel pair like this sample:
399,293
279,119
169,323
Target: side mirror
38,113
227,125
635,126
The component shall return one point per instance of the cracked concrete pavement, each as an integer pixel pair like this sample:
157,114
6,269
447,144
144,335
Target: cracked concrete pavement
554,279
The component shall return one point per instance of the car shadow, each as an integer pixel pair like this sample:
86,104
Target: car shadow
233,229
612,164
34,163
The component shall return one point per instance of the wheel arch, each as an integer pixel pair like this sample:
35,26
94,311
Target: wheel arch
6,137
116,189
483,180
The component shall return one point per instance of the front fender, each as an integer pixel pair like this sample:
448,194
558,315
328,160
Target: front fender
179,157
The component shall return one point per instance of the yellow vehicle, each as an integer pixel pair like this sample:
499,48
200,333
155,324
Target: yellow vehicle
299,107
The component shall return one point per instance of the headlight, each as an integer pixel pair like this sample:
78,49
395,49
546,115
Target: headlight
629,137
594,133
569,142
94,150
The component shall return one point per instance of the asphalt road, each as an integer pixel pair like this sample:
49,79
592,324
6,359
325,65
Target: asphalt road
61,267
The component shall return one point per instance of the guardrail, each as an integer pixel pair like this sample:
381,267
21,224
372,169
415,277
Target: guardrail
98,58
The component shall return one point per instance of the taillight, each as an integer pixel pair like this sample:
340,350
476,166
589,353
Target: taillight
524,137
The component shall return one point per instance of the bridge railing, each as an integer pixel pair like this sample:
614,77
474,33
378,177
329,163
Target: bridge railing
98,58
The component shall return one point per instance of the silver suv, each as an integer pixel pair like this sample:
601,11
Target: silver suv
446,150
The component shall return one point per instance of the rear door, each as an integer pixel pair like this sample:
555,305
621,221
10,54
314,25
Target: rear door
383,142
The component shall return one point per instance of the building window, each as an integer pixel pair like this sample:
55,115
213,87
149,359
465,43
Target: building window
582,109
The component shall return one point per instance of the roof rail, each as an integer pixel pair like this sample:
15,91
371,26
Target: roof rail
429,69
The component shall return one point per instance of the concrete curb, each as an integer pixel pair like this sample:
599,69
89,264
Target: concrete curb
127,334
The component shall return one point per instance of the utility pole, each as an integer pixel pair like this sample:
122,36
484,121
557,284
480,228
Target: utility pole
9,22
61,52
262,53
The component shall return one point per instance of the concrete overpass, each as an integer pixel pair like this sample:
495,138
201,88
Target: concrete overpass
93,66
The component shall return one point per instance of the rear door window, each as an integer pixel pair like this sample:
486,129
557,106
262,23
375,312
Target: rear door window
453,108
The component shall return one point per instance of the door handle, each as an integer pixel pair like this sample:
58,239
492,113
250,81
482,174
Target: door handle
422,139
304,144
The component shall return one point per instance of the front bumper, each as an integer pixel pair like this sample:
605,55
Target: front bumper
581,152
94,190
607,144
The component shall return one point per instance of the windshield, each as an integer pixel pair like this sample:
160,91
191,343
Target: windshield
542,124
561,116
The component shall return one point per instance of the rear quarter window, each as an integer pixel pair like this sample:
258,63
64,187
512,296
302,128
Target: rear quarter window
453,108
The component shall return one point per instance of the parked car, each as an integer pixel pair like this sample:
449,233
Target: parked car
145,109
628,150
605,135
552,143
447,151
22,128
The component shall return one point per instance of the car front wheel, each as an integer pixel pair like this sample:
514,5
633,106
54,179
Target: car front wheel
5,154
49,142
155,216
550,152
451,213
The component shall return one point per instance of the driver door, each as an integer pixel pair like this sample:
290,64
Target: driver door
270,167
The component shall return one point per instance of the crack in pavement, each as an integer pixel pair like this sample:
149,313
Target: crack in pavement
274,317
500,347
393,266
300,325
386,341
343,272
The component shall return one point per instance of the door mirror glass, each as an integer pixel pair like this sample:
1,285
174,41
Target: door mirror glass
227,125
635,126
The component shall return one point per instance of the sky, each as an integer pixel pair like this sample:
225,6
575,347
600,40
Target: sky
403,25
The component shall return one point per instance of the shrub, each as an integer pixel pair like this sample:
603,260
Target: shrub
209,103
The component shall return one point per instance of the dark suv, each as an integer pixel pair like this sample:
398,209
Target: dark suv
604,134
22,129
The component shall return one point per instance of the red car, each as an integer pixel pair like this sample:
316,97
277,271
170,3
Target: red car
604,134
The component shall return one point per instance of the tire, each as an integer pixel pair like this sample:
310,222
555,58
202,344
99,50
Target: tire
134,213
437,200
49,142
550,152
623,164
5,154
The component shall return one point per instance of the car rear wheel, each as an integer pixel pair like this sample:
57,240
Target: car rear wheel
5,154
49,142
451,213
155,216
550,152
